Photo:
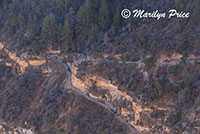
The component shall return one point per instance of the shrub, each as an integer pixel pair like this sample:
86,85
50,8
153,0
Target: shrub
149,63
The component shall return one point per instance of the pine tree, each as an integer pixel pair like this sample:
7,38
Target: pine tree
59,33
36,31
94,7
67,35
35,20
21,20
80,19
49,29
61,8
92,34
70,16
104,15
81,23
91,11
117,18
85,19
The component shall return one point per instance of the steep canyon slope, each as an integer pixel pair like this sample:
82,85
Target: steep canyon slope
57,96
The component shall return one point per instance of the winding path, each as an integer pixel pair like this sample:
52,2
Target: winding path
69,85
110,108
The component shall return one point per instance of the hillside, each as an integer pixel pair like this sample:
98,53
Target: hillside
79,67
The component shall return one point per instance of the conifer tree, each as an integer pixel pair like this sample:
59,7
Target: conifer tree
67,35
36,32
94,7
117,18
85,19
70,16
92,34
59,33
49,29
21,20
80,23
104,15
